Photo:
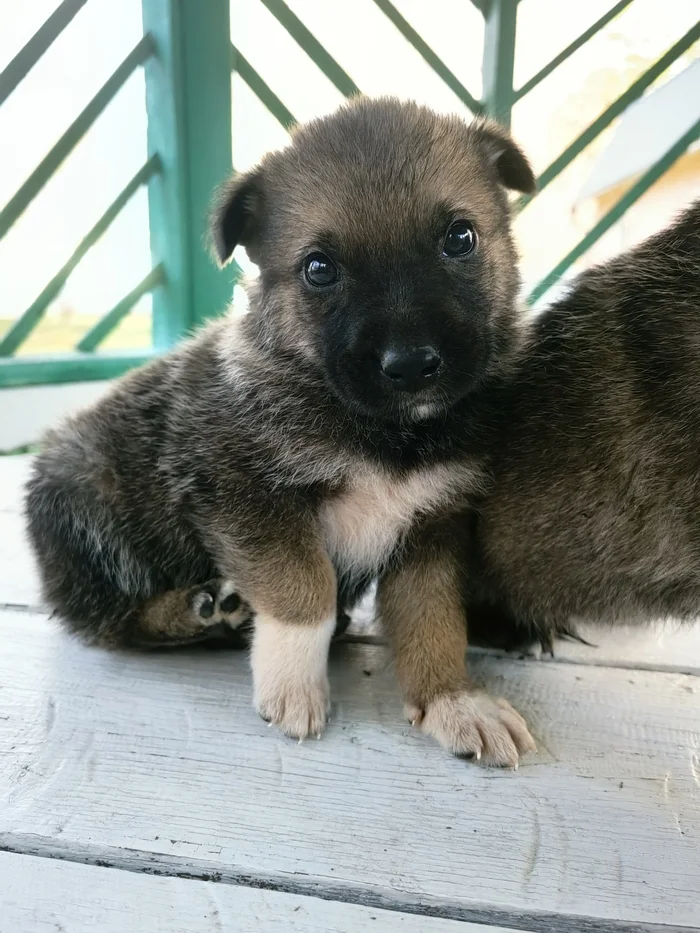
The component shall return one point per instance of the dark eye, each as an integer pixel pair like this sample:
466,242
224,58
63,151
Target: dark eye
460,239
319,270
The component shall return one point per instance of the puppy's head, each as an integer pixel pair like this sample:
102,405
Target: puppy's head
383,239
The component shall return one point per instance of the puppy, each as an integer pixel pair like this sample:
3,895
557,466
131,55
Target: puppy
593,506
279,460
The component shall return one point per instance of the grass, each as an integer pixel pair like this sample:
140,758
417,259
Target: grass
57,333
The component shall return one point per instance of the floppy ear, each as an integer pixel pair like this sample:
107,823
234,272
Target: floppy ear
234,216
508,159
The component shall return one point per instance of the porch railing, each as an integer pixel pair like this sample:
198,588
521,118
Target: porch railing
187,57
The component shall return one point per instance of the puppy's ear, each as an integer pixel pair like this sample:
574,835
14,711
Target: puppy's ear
235,214
508,159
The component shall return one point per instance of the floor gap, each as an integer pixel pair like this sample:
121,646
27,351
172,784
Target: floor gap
152,863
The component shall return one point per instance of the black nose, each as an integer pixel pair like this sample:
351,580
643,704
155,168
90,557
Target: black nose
411,368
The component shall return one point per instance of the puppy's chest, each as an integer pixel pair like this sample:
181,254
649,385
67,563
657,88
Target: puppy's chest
363,523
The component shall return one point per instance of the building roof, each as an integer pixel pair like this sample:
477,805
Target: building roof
647,129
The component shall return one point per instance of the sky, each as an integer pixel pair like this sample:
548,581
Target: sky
361,39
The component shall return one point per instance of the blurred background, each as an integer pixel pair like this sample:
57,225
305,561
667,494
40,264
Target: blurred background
604,98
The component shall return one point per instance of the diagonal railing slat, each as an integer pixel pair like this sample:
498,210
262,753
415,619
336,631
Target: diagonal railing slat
570,49
429,56
104,327
65,145
614,110
261,89
305,39
30,53
24,325
649,177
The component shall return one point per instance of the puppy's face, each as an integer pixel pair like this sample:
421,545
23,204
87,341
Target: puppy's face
383,240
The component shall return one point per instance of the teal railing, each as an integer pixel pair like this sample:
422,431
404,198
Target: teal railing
187,57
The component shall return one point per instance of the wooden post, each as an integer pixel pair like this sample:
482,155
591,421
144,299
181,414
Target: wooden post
188,100
499,56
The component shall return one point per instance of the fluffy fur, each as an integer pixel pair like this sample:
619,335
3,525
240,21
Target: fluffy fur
274,465
592,511
277,455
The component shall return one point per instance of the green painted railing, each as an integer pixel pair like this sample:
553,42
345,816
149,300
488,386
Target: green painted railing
185,53
187,57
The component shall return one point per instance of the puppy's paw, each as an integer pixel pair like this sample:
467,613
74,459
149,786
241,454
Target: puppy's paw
290,674
218,604
473,725
299,709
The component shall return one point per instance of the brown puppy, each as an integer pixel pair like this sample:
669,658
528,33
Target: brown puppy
287,458
593,509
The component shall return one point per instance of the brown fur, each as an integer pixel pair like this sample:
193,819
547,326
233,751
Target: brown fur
535,472
593,507
420,605
282,451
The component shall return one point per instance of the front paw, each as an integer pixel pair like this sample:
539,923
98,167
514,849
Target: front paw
290,675
473,725
299,709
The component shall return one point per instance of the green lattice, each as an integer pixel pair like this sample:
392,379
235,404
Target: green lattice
187,57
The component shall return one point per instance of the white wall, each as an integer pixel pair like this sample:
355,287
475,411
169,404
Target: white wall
27,412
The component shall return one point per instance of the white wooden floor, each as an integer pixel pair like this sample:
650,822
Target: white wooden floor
142,793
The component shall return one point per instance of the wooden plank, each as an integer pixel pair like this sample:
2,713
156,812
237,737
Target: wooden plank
47,895
68,367
158,762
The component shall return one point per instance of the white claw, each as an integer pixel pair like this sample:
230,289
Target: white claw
478,755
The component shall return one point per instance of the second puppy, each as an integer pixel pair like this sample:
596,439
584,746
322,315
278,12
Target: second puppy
594,507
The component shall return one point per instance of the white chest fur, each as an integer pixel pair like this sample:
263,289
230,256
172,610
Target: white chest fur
364,523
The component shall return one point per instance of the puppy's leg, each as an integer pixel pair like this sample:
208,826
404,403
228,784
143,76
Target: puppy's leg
421,609
212,611
294,597
290,676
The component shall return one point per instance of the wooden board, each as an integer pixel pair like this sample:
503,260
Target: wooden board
158,762
44,895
